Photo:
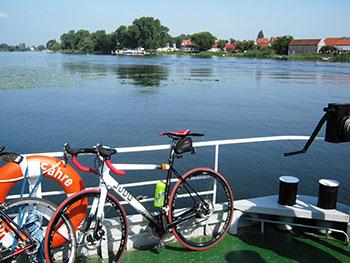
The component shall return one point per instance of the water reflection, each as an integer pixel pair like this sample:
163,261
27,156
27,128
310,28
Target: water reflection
142,75
138,75
202,72
34,70
87,68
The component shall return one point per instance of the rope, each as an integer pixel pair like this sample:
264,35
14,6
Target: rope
34,218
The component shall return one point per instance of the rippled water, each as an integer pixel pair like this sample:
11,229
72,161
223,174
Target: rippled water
48,99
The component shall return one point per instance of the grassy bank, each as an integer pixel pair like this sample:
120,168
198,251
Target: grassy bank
254,53
264,54
342,58
257,53
79,52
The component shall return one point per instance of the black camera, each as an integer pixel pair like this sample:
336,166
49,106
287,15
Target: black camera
338,123
337,117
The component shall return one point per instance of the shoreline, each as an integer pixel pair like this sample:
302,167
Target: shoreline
251,54
257,54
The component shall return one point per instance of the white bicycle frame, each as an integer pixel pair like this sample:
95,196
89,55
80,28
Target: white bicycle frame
107,182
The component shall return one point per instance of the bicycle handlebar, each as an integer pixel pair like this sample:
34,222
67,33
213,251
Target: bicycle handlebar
113,169
99,150
76,152
81,167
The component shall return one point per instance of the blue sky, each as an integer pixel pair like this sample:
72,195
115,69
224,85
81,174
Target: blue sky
36,21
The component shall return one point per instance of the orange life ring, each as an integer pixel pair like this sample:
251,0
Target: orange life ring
54,169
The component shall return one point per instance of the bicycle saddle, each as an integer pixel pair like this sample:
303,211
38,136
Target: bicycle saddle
181,133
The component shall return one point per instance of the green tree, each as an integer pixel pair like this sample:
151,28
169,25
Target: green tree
329,50
281,45
146,32
87,45
128,37
4,47
150,33
102,42
260,34
68,40
22,47
221,43
53,45
40,47
245,45
121,37
83,41
203,40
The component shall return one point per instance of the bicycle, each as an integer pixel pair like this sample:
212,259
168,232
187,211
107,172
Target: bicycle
198,209
23,223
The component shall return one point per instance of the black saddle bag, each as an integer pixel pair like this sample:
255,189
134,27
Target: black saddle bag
184,145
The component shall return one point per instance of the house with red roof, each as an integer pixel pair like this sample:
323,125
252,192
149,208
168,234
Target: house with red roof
188,46
304,46
263,42
230,47
341,43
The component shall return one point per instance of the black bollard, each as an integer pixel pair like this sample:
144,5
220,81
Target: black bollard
327,194
288,190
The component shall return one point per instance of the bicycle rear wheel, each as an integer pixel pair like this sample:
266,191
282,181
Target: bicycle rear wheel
32,215
97,241
201,207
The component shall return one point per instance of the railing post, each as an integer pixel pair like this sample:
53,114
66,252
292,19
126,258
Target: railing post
216,168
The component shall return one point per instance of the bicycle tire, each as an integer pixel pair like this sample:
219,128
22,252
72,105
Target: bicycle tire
86,241
22,207
198,232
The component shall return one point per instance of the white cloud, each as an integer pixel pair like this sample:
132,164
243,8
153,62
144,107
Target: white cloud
4,15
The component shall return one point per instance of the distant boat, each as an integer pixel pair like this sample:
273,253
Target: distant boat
132,52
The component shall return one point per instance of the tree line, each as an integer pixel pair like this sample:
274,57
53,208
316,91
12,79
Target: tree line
146,32
19,47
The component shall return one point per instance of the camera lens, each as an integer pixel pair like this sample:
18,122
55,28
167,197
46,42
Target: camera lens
346,127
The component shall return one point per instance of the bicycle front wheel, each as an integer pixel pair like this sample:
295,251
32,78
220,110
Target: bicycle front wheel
98,239
201,209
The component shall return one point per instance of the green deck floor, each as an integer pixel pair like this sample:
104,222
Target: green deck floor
251,246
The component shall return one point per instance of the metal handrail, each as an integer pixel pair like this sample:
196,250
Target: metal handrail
215,143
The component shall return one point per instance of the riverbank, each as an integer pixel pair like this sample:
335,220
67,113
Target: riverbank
257,54
265,54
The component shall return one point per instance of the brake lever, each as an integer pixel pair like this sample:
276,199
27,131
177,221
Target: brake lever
65,158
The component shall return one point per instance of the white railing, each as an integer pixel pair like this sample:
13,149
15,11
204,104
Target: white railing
216,144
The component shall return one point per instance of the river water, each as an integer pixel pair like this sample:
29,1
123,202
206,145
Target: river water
49,99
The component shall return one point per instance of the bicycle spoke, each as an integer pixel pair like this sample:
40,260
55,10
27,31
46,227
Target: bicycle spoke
100,239
201,191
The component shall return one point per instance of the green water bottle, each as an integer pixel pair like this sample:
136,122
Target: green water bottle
159,194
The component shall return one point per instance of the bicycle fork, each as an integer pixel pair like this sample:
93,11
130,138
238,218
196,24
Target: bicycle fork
96,212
